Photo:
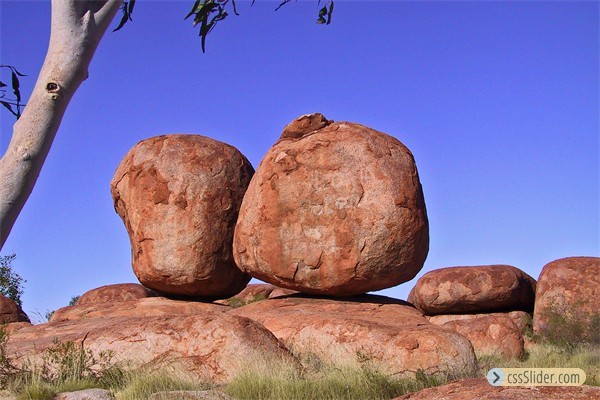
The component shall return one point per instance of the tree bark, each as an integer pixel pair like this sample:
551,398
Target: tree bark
76,30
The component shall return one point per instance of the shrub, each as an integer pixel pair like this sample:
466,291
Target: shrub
11,283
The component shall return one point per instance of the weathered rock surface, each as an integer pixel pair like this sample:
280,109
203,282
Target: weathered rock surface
282,292
190,395
88,394
388,333
179,197
211,347
252,292
491,335
334,209
477,289
115,293
521,319
147,307
568,285
480,389
10,311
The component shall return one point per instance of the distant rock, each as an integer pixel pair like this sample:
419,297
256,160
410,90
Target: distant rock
568,285
281,292
208,346
386,333
494,335
11,312
148,307
115,293
476,289
190,395
333,209
480,389
252,292
179,197
88,394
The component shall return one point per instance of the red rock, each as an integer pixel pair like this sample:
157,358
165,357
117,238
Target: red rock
213,347
521,319
148,307
393,336
480,389
491,335
334,209
281,292
179,197
87,394
115,293
10,311
569,286
477,289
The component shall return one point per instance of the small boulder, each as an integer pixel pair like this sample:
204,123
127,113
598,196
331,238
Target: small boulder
179,197
569,287
334,209
391,335
190,395
10,311
480,389
476,289
87,394
146,307
115,293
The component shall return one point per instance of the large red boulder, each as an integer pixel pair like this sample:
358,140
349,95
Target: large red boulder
10,311
476,289
389,334
115,293
179,197
333,209
568,288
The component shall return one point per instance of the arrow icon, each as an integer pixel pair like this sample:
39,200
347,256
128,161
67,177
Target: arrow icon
495,376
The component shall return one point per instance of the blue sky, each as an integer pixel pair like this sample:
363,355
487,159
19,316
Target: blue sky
498,102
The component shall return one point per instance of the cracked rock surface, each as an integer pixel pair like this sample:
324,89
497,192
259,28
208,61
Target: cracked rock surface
179,197
335,208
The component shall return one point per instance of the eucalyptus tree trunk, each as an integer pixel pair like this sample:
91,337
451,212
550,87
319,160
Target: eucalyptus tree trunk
76,29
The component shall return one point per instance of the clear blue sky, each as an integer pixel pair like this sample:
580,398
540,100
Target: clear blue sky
498,101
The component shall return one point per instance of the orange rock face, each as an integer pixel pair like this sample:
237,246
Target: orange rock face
388,333
477,289
334,209
521,319
115,293
179,197
10,312
491,335
470,389
148,307
213,347
568,286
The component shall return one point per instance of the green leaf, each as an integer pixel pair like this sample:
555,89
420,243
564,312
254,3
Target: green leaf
283,3
130,9
2,84
15,86
193,9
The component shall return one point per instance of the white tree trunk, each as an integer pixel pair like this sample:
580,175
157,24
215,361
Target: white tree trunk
77,28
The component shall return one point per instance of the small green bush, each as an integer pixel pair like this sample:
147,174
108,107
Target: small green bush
11,283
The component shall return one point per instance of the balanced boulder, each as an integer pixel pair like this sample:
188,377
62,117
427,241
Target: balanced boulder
568,289
333,209
179,197
10,311
476,289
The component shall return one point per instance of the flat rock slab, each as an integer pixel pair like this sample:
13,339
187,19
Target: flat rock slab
391,335
480,389
88,394
521,319
570,287
145,307
336,209
475,289
190,395
212,347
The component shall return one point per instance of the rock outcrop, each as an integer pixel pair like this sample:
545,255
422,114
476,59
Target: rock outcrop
115,293
147,307
570,287
521,319
480,389
179,197
475,289
208,346
390,334
10,311
333,209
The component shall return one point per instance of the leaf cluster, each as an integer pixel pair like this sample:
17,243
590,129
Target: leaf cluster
15,102
11,283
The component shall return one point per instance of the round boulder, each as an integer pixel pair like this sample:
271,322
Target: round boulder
115,293
333,209
477,289
179,197
568,289
10,311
